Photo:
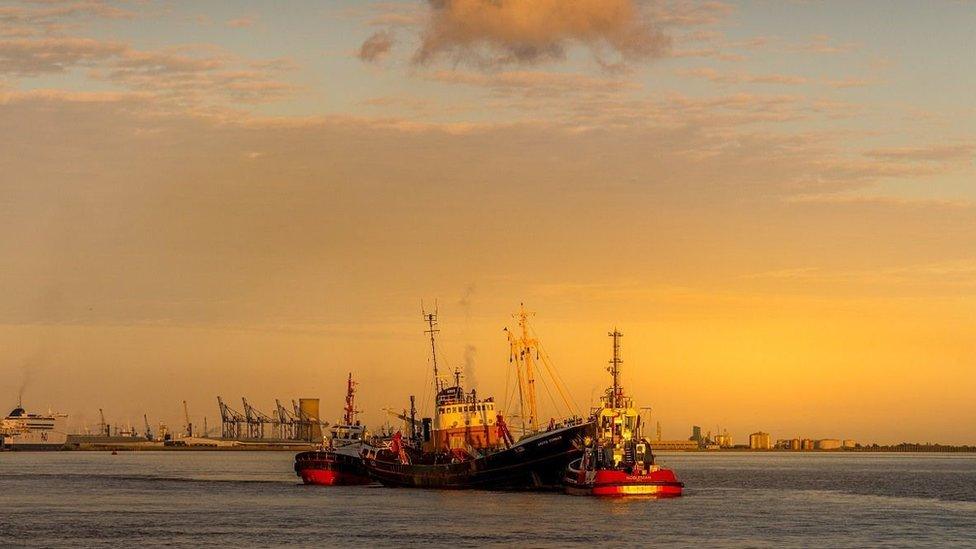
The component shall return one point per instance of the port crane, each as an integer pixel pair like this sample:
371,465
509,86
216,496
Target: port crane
231,420
102,426
255,420
145,419
414,426
187,426
285,421
254,424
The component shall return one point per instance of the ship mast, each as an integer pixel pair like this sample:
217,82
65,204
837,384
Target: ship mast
522,347
350,416
615,397
431,320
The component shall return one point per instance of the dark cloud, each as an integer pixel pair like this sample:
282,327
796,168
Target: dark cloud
376,46
500,32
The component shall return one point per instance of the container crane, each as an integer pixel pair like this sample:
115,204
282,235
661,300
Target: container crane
102,426
188,427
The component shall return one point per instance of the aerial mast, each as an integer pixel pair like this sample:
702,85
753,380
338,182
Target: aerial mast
431,320
615,398
350,409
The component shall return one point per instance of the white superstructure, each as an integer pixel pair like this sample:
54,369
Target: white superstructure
23,431
348,439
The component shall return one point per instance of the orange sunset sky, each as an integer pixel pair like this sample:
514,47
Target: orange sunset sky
773,201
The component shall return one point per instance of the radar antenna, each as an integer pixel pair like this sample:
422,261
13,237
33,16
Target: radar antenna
615,397
431,319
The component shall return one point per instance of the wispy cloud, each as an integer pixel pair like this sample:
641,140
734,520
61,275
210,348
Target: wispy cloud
30,57
244,22
535,83
713,75
824,44
928,153
191,75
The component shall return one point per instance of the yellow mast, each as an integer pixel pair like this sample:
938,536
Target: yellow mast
515,356
526,345
523,345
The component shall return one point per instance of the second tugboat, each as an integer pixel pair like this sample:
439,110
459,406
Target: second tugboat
619,462
339,462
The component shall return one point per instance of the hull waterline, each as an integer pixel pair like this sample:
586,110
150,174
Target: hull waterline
326,468
535,463
661,483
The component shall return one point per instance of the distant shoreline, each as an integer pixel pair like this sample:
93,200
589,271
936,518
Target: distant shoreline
914,449
898,449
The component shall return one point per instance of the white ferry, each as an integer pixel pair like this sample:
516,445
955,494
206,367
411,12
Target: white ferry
23,431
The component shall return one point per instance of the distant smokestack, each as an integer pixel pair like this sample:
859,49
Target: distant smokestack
470,352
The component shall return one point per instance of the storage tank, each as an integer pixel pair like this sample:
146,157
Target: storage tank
310,409
760,441
849,444
806,444
828,444
795,444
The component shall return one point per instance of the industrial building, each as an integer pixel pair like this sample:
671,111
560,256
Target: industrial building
673,445
724,440
760,441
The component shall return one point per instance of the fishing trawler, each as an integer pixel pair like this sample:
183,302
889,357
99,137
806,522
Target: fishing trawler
468,443
619,461
21,430
339,461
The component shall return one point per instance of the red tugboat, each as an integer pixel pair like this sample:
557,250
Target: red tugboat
619,462
340,462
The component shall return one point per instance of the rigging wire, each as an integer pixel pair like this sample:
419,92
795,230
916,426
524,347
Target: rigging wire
555,406
557,379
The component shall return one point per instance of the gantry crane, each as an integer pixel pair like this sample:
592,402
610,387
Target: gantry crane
102,426
187,426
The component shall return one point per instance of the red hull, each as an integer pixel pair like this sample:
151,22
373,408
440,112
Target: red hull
330,468
610,483
328,477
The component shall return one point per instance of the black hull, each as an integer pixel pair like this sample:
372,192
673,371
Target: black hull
536,463
31,447
328,460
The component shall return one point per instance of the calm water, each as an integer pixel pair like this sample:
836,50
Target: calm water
253,499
